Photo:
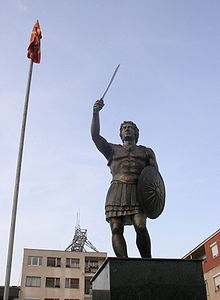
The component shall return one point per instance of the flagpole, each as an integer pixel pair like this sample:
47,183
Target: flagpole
16,187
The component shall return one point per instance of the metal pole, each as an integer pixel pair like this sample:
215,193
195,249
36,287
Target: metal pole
16,188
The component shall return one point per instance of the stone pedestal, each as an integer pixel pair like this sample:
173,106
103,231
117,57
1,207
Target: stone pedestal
149,279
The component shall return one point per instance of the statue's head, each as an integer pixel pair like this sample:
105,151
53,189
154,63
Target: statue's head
125,126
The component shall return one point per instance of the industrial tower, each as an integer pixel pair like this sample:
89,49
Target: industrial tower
80,241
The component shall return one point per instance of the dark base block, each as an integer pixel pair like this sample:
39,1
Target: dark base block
149,279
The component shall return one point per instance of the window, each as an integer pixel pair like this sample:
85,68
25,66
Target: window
52,282
214,248
217,281
33,281
34,260
53,261
72,283
72,263
91,266
88,286
92,263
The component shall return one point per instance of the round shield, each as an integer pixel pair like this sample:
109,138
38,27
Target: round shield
151,192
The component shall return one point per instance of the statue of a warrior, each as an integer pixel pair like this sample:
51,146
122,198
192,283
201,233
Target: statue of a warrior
136,191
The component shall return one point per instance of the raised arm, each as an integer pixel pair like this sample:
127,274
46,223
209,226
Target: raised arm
100,142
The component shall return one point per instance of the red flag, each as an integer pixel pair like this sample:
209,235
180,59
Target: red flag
34,46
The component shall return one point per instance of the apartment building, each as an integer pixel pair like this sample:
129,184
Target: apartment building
58,275
209,252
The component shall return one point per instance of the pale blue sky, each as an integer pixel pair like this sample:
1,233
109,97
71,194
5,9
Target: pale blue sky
168,83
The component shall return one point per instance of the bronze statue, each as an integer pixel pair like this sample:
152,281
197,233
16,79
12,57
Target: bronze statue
129,163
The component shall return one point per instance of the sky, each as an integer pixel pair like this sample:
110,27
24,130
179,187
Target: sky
167,83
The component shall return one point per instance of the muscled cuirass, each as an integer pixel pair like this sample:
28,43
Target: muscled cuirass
126,163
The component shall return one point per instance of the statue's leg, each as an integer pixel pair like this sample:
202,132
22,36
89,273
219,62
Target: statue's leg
118,241
143,239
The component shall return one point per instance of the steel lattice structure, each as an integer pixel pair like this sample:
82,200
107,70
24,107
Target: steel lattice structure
80,241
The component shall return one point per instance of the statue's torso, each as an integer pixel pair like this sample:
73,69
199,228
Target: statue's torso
126,163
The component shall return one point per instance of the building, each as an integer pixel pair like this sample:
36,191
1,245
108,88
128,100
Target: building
209,252
58,275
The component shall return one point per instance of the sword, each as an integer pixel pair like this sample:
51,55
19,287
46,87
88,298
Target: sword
113,76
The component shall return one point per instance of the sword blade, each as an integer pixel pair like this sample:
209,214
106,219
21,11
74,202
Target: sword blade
113,76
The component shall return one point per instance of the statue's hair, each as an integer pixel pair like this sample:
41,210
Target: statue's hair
135,128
